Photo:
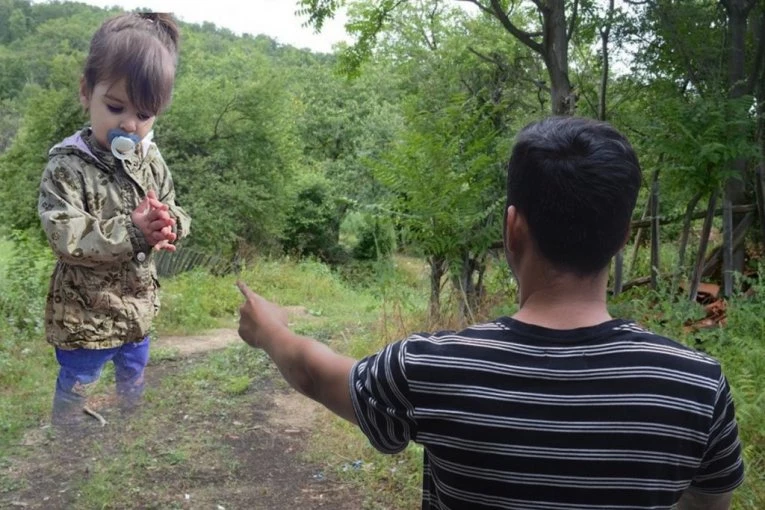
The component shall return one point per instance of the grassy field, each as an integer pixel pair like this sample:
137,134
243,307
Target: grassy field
356,312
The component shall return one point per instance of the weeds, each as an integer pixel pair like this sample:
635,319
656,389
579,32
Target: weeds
357,311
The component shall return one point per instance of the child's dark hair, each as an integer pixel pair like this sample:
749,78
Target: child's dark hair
143,49
575,181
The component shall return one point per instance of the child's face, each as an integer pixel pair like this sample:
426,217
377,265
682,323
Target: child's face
110,108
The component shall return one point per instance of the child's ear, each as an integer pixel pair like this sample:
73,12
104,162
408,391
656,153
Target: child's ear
84,93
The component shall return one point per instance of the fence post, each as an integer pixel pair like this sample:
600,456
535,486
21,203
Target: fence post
698,267
655,235
684,239
760,192
727,248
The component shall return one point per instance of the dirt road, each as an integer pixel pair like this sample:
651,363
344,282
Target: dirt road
179,455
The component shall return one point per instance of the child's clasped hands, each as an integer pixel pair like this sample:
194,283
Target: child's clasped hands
153,219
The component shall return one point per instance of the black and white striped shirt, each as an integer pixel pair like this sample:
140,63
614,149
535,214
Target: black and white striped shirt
518,416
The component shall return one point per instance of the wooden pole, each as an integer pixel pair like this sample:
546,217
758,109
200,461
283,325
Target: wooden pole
639,237
698,267
684,239
759,187
739,234
727,269
655,262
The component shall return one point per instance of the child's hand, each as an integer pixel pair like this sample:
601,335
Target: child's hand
167,242
153,219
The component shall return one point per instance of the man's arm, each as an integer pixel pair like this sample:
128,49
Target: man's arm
309,366
694,499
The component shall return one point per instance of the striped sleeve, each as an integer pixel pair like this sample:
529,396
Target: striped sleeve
722,468
379,391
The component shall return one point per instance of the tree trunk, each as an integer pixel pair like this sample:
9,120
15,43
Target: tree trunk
555,45
470,289
605,33
639,237
437,269
553,48
738,85
758,79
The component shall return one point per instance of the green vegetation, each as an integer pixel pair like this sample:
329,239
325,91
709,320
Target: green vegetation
386,303
364,203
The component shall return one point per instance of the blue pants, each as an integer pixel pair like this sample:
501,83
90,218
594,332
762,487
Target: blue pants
81,367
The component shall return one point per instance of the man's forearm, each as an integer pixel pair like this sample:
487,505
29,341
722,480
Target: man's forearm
286,348
313,369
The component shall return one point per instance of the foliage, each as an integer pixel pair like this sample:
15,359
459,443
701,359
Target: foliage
375,236
274,151
25,268
232,153
51,115
25,276
312,222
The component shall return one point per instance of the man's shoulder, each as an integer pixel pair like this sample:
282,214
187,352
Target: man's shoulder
632,331
488,331
613,340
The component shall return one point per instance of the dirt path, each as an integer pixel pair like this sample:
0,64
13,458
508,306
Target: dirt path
217,338
250,455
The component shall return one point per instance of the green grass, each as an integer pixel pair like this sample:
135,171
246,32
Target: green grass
357,311
26,361
6,252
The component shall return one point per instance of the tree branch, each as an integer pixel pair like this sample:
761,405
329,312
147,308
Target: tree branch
573,20
496,10
216,135
692,74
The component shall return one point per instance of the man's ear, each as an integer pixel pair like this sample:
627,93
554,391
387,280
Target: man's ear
85,93
511,231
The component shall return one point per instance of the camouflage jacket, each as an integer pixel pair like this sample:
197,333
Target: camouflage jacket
103,292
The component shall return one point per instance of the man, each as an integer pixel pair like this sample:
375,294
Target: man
560,406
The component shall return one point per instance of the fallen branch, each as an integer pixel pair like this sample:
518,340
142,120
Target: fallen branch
643,280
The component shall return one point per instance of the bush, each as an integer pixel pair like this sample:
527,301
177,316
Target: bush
313,222
376,239
24,286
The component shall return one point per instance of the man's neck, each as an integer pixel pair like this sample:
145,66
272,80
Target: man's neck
563,301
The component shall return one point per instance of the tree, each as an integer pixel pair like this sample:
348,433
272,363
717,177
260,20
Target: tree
444,175
549,39
51,115
229,139
709,53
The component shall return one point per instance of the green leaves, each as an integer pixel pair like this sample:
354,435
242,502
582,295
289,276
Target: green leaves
51,115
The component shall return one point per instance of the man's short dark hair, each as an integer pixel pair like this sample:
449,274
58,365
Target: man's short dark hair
575,181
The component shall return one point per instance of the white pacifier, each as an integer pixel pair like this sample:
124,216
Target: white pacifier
123,144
